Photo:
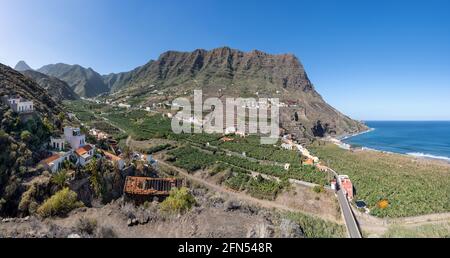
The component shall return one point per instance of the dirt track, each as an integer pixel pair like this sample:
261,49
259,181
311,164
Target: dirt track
239,195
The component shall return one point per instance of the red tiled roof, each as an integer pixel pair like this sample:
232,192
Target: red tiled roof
50,159
83,150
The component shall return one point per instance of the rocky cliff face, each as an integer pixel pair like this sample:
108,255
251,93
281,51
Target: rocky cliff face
58,89
224,68
117,81
225,72
84,81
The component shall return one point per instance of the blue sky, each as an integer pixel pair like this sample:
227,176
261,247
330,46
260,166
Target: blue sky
372,60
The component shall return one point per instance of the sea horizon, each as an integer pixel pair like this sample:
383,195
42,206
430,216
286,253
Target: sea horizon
425,138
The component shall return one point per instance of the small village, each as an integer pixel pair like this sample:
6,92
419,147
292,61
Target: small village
70,149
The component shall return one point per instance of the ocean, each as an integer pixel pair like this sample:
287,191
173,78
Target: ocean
428,139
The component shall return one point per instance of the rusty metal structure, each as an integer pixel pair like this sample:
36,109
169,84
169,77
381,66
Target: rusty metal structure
146,188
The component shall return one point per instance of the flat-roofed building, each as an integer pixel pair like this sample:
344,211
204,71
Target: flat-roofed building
19,104
74,137
346,186
57,143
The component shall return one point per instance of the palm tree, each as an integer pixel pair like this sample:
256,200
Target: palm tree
60,178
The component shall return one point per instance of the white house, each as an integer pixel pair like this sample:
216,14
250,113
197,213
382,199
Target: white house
18,104
57,143
85,154
124,105
54,163
74,137
98,134
23,106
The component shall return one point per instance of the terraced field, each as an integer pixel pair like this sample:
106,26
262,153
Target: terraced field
265,159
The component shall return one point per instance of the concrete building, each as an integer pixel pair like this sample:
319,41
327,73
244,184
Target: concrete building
100,135
122,105
23,106
18,104
74,137
346,186
57,143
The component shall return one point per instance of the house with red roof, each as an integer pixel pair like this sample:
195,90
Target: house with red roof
84,154
54,163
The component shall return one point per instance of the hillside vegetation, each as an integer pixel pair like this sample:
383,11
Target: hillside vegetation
23,136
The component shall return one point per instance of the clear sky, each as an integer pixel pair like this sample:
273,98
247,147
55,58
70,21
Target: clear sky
372,60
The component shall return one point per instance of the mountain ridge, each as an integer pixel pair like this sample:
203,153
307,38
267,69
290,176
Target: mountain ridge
22,66
219,72
83,81
58,89
226,72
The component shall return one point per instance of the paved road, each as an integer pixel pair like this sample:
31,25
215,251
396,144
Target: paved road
349,217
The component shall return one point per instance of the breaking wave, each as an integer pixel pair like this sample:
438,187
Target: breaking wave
430,156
